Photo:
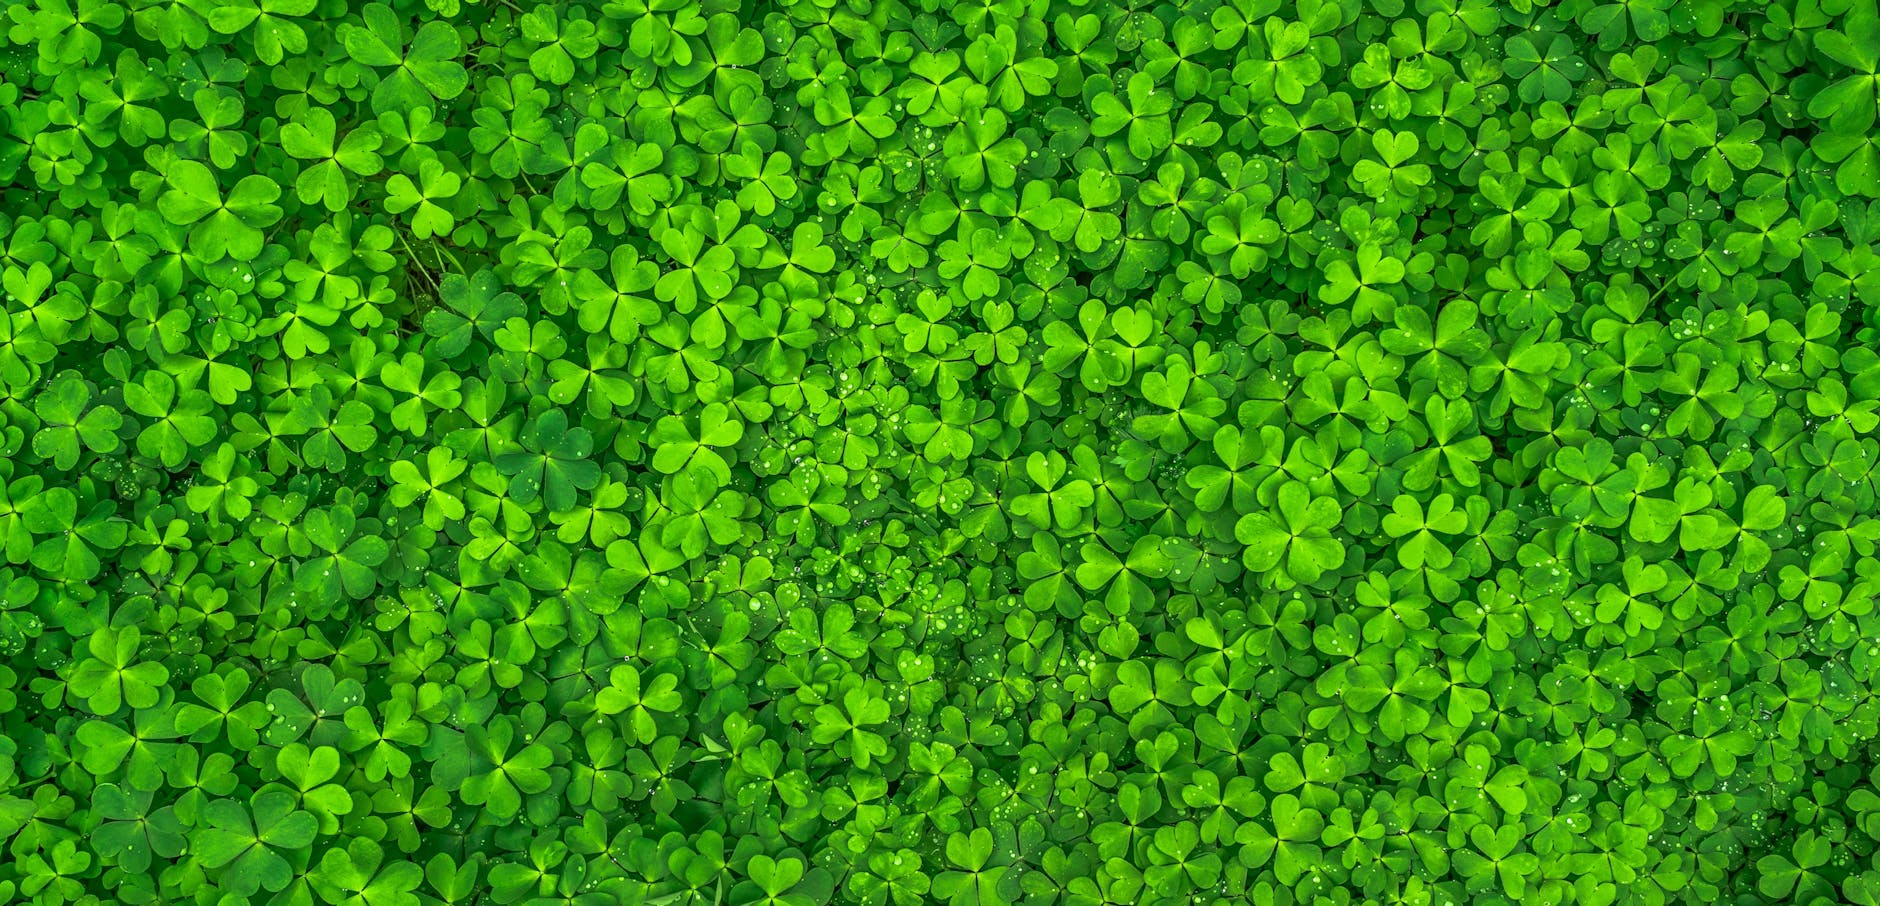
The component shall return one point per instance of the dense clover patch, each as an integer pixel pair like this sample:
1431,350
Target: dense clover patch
900,451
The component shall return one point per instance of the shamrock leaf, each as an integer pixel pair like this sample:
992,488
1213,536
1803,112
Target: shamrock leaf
422,70
1294,543
220,226
242,845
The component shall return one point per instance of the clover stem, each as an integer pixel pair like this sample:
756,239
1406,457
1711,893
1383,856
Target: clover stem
415,258
438,249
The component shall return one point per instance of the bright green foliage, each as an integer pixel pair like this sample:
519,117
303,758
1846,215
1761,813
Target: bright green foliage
891,452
